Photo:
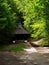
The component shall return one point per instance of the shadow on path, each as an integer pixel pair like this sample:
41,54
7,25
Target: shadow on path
13,58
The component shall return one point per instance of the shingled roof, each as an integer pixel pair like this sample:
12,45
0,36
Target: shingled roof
20,29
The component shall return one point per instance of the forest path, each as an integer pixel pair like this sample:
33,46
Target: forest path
31,56
23,58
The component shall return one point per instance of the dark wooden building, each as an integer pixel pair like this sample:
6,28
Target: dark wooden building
21,33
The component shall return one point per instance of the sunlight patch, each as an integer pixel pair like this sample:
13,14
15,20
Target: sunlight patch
31,50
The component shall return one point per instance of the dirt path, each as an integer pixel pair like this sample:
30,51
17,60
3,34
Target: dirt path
31,56
13,58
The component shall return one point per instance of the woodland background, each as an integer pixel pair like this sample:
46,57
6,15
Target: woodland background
34,15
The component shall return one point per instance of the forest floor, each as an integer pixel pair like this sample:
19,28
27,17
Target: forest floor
31,56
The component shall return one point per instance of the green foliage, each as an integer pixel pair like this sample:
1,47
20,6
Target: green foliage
44,42
33,15
7,20
36,17
13,6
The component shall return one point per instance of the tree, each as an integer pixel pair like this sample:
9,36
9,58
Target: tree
33,16
7,20
36,17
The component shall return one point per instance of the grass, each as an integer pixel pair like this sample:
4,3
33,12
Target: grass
18,47
2,47
13,47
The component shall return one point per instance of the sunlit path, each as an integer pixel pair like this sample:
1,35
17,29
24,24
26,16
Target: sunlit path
31,50
37,49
